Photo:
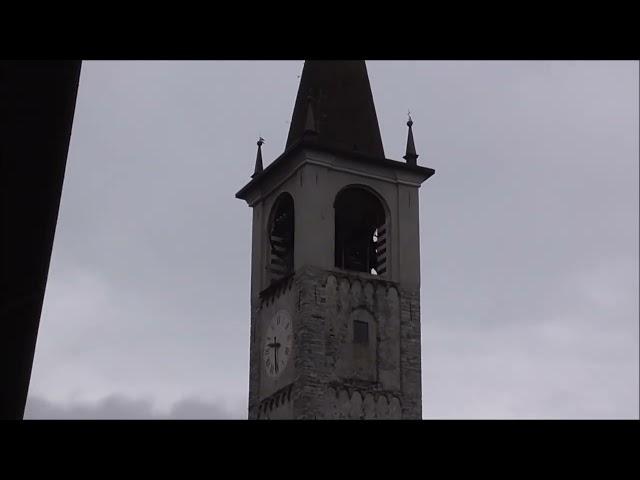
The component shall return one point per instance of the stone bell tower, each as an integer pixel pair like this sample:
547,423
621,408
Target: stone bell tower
335,264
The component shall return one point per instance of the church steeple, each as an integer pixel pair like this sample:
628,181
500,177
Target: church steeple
342,111
335,262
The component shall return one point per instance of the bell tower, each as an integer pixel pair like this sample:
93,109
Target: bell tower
335,264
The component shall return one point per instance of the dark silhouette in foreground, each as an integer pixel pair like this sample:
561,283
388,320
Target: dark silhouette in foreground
37,103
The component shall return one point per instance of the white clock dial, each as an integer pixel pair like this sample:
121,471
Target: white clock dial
277,343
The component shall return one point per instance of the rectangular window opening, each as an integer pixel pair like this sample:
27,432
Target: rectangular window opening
360,332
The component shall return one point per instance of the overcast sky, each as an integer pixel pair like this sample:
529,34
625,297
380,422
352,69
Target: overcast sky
529,236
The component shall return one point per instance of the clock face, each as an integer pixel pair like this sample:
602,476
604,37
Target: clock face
277,343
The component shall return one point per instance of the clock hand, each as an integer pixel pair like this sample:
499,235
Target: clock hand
275,351
275,345
272,345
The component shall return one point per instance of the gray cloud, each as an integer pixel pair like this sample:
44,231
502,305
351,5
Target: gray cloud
529,235
118,407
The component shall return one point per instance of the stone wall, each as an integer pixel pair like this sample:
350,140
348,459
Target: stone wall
351,404
277,406
331,382
331,377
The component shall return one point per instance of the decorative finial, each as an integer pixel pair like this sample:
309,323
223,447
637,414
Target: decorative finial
258,168
411,156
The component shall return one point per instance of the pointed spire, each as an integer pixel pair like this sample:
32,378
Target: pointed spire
411,156
258,168
341,112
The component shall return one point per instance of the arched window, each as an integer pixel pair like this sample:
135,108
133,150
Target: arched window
361,232
281,237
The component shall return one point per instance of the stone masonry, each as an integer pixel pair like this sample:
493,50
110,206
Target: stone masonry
326,384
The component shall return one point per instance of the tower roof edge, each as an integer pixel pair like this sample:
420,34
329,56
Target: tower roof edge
243,194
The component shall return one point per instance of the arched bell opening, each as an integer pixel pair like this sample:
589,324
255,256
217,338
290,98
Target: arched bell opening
360,231
281,231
